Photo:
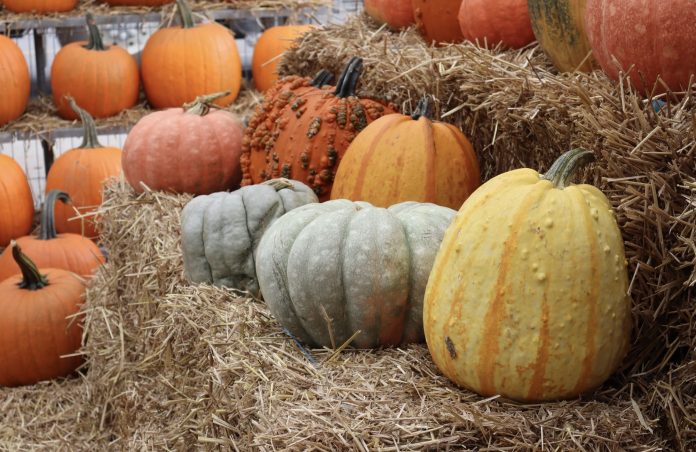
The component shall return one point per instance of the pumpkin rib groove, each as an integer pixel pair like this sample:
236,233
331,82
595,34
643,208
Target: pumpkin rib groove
248,230
411,279
542,354
341,248
430,154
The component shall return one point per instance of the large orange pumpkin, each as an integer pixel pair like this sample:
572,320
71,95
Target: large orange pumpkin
652,38
269,47
14,80
437,20
70,252
401,158
82,172
495,22
103,80
37,323
179,64
395,13
16,202
39,6
185,150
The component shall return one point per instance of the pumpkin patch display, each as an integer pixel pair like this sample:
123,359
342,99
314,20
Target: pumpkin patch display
496,22
338,270
16,202
528,296
436,20
70,252
179,64
397,14
408,158
37,323
269,47
39,6
194,149
220,232
14,79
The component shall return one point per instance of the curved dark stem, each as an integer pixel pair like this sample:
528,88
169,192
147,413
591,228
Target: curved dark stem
95,39
48,220
185,14
424,108
322,78
567,165
89,139
349,78
32,279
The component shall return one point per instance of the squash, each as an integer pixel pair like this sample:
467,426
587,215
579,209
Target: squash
16,201
179,64
103,80
220,232
185,150
528,296
652,38
496,22
397,14
37,323
39,6
15,80
70,252
334,270
408,158
559,26
436,20
269,47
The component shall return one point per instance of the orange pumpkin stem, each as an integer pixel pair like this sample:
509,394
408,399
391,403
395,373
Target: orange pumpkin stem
567,165
32,279
185,14
95,39
322,78
89,138
48,221
424,108
349,78
202,105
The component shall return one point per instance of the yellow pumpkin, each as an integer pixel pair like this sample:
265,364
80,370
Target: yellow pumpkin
528,293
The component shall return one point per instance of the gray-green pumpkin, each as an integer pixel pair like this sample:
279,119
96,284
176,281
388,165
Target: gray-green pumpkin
220,232
328,270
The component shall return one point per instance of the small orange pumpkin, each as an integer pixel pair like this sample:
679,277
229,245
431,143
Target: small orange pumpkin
270,46
16,202
495,22
39,6
14,80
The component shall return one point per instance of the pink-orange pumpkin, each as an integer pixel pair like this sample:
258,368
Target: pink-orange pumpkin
495,22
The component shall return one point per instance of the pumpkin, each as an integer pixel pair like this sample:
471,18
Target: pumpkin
496,22
528,295
82,172
308,139
15,80
269,47
328,271
654,38
137,2
185,150
179,64
16,202
436,20
559,26
70,252
39,6
397,14
408,158
103,80
220,232
37,323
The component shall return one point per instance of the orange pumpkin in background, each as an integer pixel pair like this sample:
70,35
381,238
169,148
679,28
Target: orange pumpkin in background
16,202
268,49
395,13
14,80
437,20
39,6
496,22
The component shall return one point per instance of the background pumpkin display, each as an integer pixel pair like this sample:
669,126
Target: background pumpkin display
328,270
220,232
39,6
16,202
395,13
14,78
436,20
269,47
496,22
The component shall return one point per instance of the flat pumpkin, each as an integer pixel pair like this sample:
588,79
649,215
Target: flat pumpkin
15,80
330,270
16,201
528,293
269,47
496,22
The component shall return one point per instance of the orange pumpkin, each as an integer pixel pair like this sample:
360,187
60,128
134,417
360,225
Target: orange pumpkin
179,64
70,252
137,2
309,137
37,327
14,79
103,80
82,172
270,46
395,13
16,202
496,21
401,158
39,6
185,150
437,20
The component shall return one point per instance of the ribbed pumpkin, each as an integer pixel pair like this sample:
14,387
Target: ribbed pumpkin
103,80
185,150
82,172
16,202
559,26
14,79
37,327
39,6
309,138
437,20
179,64
269,47
330,270
395,13
137,2
408,158
70,252
654,38
495,22
528,294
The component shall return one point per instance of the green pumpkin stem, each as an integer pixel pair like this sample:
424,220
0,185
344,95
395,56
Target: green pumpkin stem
567,165
349,78
89,139
95,39
322,78
48,220
424,109
202,105
185,14
32,279
280,183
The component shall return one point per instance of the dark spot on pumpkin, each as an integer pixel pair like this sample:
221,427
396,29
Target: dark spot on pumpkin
325,175
314,127
341,116
304,160
285,171
333,155
358,117
450,347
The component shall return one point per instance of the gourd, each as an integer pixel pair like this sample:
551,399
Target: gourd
220,232
338,270
39,6
194,149
528,294
16,202
15,80
103,80
436,20
397,14
408,158
495,22
269,47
